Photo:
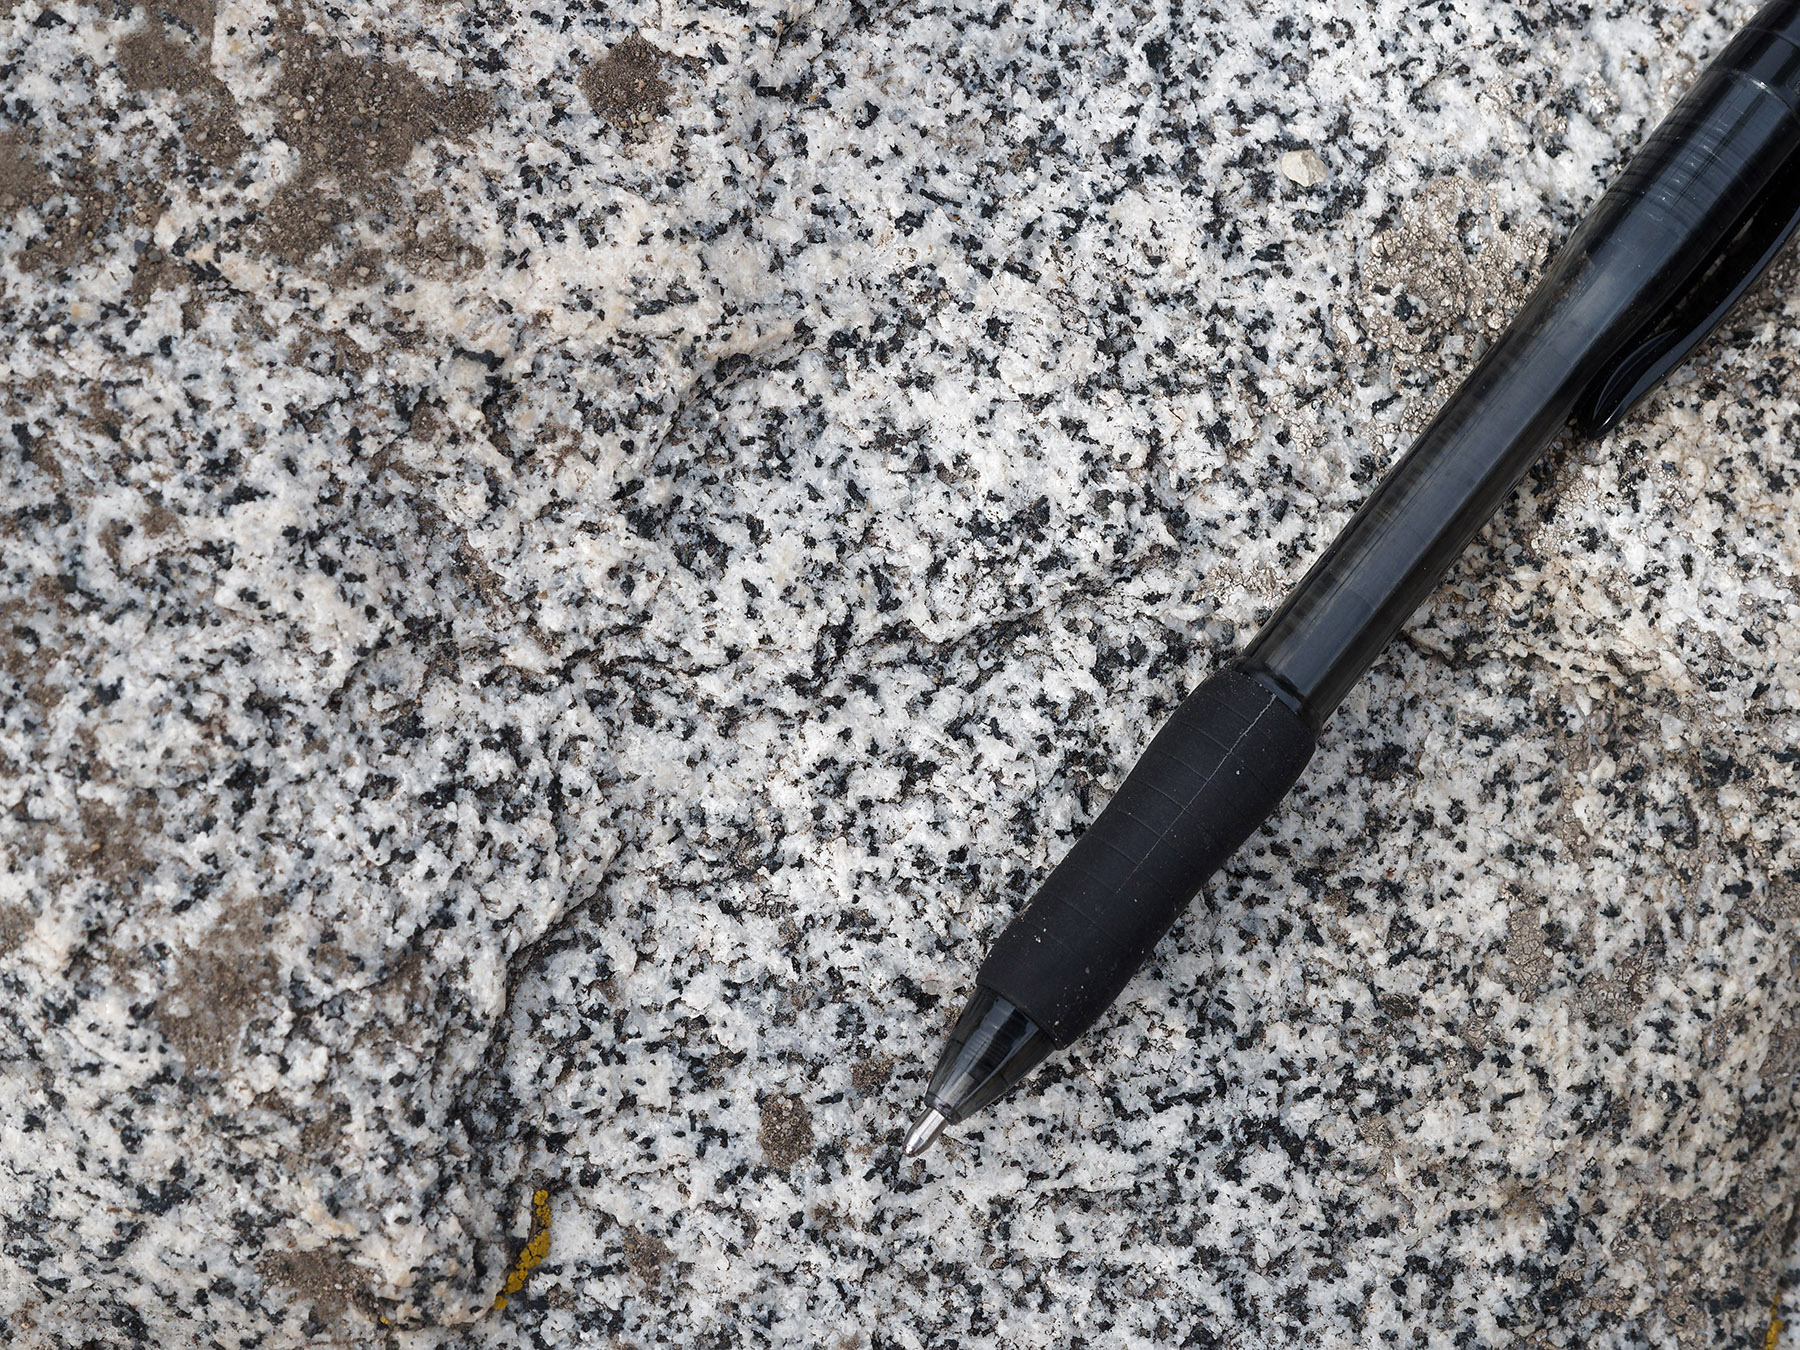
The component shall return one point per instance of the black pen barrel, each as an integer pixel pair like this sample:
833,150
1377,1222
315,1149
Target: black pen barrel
1204,785
1583,348
1696,217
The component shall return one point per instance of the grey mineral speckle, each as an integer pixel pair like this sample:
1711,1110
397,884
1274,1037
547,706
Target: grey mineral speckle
566,566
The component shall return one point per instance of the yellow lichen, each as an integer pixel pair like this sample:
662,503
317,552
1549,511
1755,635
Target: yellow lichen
1773,1339
532,1254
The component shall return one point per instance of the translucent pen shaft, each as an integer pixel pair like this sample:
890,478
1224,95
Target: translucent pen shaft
1692,222
1725,149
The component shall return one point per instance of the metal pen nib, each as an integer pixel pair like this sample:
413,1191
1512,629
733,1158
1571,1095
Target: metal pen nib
929,1126
992,1047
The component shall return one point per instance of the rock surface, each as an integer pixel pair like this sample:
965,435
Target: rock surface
566,566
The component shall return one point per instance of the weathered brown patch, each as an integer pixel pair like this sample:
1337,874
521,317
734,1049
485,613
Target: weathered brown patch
869,1075
195,15
171,51
23,178
407,990
1612,997
81,209
435,250
156,271
72,225
1781,1062
1445,270
300,222
329,352
1381,1146
786,1134
626,86
112,539
222,987
647,1255
1527,958
25,657
353,119
113,843
159,520
15,926
355,123
211,127
322,1137
156,57
323,1278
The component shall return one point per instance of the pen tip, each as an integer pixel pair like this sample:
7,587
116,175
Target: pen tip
924,1131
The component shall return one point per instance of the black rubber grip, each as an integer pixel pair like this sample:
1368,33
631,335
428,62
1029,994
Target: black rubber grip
1214,773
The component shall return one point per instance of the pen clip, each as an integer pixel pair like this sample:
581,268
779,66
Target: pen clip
1668,337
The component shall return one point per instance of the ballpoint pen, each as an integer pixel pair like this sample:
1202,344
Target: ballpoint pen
1696,217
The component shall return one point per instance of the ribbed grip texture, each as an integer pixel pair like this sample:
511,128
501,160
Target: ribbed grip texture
1212,775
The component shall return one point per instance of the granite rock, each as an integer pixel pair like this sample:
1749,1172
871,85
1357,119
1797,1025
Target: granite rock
566,566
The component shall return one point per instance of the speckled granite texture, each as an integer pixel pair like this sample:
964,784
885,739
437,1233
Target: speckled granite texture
566,566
